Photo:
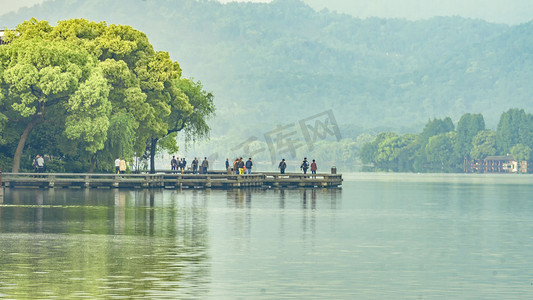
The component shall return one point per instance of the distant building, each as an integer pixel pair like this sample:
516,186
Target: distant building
496,164
523,167
499,164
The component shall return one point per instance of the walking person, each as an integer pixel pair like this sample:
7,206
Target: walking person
183,165
34,164
241,166
180,162
305,165
117,165
236,166
40,164
173,164
249,165
122,166
227,164
313,168
282,166
205,165
194,166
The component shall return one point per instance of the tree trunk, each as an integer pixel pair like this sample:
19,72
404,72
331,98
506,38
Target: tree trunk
93,161
153,145
20,146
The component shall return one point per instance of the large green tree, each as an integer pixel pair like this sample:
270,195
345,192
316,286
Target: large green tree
440,152
41,78
521,152
418,146
467,128
484,144
437,126
142,96
145,82
389,149
515,127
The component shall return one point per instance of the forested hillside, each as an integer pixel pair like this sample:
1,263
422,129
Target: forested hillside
279,62
444,147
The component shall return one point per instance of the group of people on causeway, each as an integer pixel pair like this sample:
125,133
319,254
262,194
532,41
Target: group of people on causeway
38,164
120,166
304,166
179,165
239,166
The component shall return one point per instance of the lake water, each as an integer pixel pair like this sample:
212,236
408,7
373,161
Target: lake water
382,236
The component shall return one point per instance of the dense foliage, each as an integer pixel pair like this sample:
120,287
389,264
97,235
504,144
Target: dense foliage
441,147
87,92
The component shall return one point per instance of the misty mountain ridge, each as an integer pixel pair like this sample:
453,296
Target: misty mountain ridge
497,11
272,63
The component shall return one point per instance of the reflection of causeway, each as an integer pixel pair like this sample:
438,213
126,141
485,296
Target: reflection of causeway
175,248
241,198
312,198
123,212
254,208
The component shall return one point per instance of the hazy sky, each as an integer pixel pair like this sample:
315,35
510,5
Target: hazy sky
500,11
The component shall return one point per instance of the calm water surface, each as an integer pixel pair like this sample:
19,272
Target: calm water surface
382,236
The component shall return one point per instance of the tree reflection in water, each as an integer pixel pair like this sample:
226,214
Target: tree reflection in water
102,244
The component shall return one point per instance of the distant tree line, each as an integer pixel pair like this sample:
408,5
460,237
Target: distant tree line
85,93
443,147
